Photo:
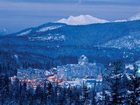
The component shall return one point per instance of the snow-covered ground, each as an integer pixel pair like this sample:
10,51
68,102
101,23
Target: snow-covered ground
48,38
128,42
49,28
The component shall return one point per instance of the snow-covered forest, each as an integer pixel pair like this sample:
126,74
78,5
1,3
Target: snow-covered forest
120,86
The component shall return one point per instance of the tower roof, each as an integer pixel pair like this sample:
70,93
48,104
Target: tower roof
83,60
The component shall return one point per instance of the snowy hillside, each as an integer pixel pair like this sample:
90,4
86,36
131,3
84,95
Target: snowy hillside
40,29
128,42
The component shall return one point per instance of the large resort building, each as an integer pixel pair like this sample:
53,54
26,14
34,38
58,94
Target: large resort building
82,70
78,74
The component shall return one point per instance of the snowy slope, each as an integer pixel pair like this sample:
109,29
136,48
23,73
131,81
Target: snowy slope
24,33
40,29
43,29
131,41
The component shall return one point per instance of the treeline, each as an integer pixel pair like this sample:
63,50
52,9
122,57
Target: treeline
8,65
120,86
17,93
10,61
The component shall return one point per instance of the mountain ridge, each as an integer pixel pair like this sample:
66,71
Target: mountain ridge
65,43
54,23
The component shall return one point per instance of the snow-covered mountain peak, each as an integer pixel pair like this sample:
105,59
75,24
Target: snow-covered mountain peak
135,17
81,20
3,31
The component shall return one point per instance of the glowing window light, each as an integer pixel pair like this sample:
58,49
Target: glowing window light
138,71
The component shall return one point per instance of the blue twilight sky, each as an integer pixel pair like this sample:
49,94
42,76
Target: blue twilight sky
19,14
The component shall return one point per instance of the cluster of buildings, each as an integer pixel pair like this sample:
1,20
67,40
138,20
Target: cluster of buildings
32,77
31,73
72,74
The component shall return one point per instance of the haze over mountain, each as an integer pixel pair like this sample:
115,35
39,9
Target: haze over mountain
3,31
135,17
31,13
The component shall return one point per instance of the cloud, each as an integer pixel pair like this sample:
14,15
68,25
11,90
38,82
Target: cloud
79,1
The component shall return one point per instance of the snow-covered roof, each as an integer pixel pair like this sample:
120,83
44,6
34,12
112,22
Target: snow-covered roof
83,60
